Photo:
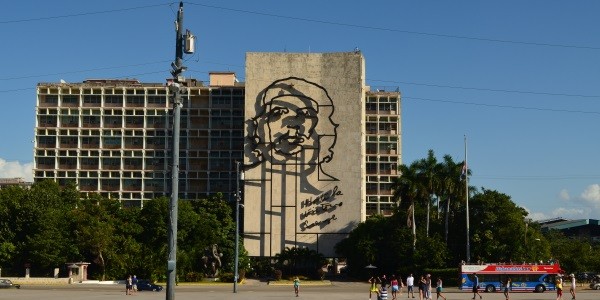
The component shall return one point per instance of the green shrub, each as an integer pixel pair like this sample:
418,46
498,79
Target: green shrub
277,274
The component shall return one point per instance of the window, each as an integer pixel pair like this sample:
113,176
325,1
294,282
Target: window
157,100
70,100
92,100
135,100
113,100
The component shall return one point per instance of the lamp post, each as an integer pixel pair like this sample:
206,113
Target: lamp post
238,202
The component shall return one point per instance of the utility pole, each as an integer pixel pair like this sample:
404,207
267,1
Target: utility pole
177,88
238,199
466,166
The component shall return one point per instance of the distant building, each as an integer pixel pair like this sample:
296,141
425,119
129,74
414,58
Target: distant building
18,181
582,228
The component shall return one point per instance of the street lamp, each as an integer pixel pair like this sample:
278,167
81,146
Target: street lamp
238,202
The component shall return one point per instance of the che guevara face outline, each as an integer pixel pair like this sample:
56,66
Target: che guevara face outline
291,122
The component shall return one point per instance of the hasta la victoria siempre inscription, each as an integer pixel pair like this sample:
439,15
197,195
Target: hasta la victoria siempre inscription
318,205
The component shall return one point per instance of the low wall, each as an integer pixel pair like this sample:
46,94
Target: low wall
53,281
38,280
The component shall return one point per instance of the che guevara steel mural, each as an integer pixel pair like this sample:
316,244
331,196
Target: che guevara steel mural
294,126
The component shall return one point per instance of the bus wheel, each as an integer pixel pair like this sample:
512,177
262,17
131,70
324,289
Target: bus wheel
490,288
539,288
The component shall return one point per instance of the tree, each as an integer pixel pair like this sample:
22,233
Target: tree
96,230
428,171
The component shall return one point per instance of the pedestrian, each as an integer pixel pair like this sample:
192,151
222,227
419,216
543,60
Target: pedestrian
297,286
476,286
573,284
558,283
382,294
128,285
506,287
134,282
395,286
438,289
373,288
428,287
422,286
410,282
384,281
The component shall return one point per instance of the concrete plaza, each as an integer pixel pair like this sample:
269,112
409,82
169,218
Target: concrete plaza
334,291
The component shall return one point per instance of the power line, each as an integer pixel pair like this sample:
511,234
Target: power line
504,106
486,89
83,14
83,71
536,177
462,37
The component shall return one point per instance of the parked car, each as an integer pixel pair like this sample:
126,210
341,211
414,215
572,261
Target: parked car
6,284
146,285
595,286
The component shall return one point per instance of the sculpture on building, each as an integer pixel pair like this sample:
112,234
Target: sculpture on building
293,126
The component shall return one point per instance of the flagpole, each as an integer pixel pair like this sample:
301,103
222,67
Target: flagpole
467,200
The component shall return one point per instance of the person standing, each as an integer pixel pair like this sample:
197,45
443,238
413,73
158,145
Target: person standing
476,286
383,294
573,284
559,286
297,286
128,285
373,288
134,282
428,287
395,286
422,286
438,289
410,282
506,287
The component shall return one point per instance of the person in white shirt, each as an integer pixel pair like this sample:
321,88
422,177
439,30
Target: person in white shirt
410,282
573,284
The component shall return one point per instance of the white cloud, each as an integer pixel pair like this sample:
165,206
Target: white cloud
11,169
564,195
591,195
571,213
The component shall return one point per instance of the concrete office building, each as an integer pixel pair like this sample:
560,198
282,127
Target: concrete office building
320,149
113,137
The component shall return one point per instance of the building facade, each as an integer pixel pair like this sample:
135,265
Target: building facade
312,152
319,148
113,137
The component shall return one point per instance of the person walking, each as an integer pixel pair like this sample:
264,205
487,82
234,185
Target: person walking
476,286
373,288
128,285
438,289
382,294
410,282
395,286
297,286
558,282
422,286
428,287
506,287
134,282
573,284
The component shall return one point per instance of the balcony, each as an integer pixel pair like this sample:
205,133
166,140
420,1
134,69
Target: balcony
45,166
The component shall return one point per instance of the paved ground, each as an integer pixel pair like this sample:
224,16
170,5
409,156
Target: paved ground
251,291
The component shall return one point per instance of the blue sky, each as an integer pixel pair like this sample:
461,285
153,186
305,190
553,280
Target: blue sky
518,78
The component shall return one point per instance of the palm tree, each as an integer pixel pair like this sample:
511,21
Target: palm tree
429,171
407,186
450,174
